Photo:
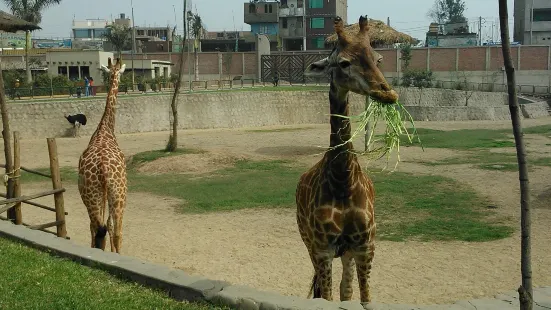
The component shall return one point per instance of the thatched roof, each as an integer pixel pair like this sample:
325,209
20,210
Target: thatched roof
11,23
379,33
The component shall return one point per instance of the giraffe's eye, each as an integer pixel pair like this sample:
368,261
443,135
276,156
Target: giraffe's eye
344,64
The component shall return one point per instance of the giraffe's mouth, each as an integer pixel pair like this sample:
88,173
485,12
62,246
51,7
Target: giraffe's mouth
384,96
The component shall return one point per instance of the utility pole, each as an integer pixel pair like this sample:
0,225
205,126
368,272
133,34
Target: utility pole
133,45
304,25
531,21
480,30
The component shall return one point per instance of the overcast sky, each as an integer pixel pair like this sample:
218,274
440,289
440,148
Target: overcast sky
408,16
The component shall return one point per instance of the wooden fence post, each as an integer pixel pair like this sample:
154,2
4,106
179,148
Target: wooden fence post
56,183
16,177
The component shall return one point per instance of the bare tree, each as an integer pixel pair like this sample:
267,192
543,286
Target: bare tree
525,290
196,30
172,144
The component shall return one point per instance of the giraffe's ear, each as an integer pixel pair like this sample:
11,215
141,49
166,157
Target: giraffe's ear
105,69
123,67
318,68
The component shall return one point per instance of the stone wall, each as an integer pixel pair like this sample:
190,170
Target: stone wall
233,109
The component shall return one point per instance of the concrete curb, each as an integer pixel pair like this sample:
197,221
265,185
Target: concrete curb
182,286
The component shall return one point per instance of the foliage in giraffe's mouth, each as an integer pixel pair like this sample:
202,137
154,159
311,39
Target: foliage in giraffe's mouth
394,115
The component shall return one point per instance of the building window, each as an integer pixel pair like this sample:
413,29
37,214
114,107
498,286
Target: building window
300,3
82,33
284,23
317,23
270,7
252,8
316,4
542,15
318,43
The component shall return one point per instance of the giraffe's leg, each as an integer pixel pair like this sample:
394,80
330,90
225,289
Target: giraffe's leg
111,232
364,258
323,263
117,214
93,230
347,276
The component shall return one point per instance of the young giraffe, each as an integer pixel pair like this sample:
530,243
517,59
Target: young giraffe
102,172
335,198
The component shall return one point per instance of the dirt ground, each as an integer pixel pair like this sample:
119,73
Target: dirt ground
262,248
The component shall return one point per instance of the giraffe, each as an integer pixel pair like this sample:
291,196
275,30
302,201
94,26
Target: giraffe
335,197
102,172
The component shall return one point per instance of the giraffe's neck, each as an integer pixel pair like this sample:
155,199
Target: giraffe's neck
107,122
340,157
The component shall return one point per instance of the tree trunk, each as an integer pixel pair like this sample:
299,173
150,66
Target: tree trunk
525,290
173,139
7,144
27,65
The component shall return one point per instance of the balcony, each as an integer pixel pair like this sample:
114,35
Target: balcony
291,12
258,14
291,32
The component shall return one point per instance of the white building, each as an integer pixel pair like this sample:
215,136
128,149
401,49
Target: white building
80,64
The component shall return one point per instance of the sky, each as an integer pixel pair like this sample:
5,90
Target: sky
409,16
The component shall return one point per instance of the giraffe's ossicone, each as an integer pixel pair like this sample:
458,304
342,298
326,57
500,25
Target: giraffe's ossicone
335,198
102,181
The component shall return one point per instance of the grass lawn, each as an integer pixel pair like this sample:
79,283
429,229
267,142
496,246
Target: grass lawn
475,145
408,206
32,279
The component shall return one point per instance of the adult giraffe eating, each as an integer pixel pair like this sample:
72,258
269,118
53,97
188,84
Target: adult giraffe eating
335,198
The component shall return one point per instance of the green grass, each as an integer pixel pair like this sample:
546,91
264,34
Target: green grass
432,208
484,159
407,206
462,139
541,130
144,157
248,184
67,174
32,279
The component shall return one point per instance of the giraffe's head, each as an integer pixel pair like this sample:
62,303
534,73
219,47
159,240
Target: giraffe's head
114,71
353,65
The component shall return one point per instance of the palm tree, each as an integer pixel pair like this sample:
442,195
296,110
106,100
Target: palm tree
196,29
30,11
120,36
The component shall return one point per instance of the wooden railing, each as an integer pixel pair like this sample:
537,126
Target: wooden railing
13,204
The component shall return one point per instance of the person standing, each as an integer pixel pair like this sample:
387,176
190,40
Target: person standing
86,86
92,90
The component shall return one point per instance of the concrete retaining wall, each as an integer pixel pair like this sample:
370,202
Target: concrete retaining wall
234,109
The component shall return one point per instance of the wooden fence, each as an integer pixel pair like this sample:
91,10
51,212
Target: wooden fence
13,204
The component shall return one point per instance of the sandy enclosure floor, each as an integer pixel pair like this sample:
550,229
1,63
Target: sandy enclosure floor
262,248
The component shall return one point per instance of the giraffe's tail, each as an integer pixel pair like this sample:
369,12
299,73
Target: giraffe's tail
101,232
315,289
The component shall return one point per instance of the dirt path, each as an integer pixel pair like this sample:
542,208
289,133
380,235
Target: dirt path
262,248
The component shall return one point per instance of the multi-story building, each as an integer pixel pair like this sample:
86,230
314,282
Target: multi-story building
88,34
299,24
532,22
319,17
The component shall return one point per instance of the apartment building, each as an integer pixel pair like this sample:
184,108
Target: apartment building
532,20
299,24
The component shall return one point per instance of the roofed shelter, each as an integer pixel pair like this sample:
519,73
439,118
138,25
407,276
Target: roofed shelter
10,23
380,34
